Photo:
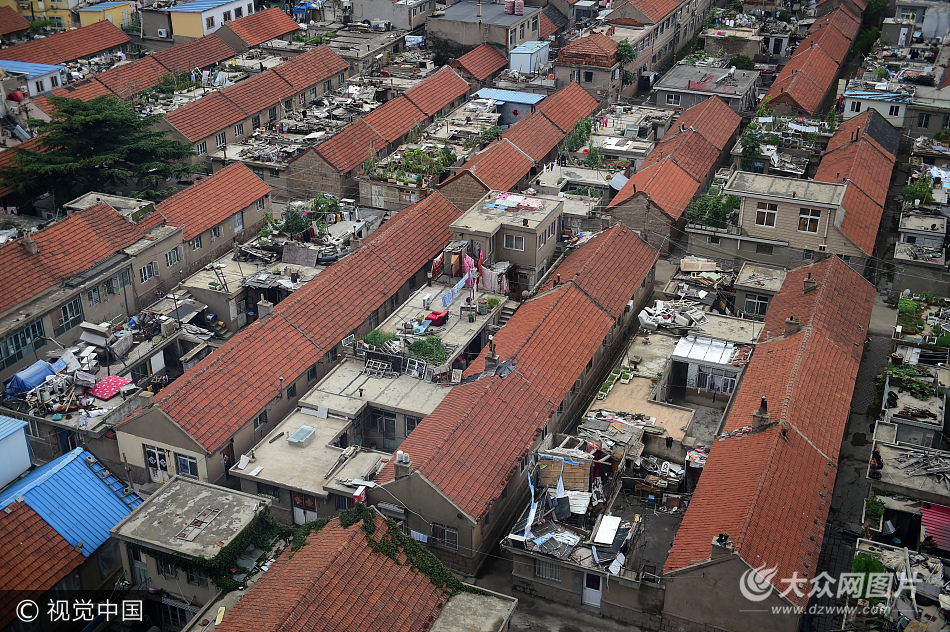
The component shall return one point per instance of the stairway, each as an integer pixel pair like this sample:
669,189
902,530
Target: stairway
506,313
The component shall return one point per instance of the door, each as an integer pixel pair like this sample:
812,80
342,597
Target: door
592,590
156,460
389,438
305,508
242,313
379,198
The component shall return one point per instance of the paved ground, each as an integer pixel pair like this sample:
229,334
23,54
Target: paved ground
851,485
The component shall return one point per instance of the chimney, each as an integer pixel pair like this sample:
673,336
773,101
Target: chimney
264,309
146,399
810,284
479,14
30,245
761,417
557,281
491,362
403,465
634,189
721,547
792,325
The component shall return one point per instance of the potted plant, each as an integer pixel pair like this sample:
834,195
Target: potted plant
873,513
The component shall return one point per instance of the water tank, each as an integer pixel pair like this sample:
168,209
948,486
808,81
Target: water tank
510,7
519,7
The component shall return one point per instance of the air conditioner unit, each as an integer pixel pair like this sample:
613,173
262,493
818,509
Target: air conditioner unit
14,109
823,248
426,301
163,33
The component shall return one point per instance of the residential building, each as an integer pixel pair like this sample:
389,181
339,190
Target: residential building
197,18
99,39
467,24
590,61
511,105
404,15
256,29
480,66
929,17
673,23
361,46
202,53
13,26
190,521
309,588
38,78
119,13
531,381
805,364
805,83
685,86
310,327
755,287
53,547
653,201
920,253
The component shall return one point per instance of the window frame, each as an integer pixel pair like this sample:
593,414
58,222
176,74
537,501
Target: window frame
759,303
548,570
196,243
810,219
765,210
441,536
513,242
221,139
173,257
673,99
191,469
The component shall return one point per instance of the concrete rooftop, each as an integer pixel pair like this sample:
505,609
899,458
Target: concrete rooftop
492,13
708,79
761,278
466,612
936,224
743,183
730,328
635,398
484,217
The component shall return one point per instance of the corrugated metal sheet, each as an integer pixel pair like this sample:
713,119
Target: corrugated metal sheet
73,499
510,96
9,425
936,520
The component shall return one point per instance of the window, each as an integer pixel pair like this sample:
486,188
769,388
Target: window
808,220
445,536
256,121
221,139
521,31
534,24
238,12
763,249
542,239
239,130
263,489
166,569
239,218
756,304
292,391
895,110
260,420
588,76
855,106
53,81
328,85
313,93
172,257
94,297
845,258
187,465
716,380
196,243
765,214
148,271
70,316
289,105
312,373
275,173
197,579
411,423
713,240
250,9
511,37
339,79
215,232
514,242
174,617
272,113
343,502
332,355
39,86
201,148
374,319
227,16
923,120
672,99
525,460
209,22
544,569
808,255
14,348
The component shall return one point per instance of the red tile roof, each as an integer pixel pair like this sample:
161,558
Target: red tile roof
557,20
860,163
797,90
656,10
132,78
66,248
567,106
832,41
213,200
669,188
315,589
257,28
694,154
259,92
35,52
350,147
807,378
311,68
394,119
534,135
481,62
87,90
500,166
202,118
68,45
220,395
548,28
6,157
11,21
200,53
869,126
841,19
625,22
33,555
595,44
436,92
712,118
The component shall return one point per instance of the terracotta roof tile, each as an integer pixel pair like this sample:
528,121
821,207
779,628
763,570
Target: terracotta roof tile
807,378
11,21
132,78
712,118
557,19
535,135
87,90
35,52
841,19
548,28
798,90
68,45
690,150
33,555
567,106
311,68
66,248
312,589
482,62
213,200
832,41
500,166
202,118
871,126
436,92
595,44
6,157
394,119
862,164
259,92
349,148
200,53
263,26
656,10
669,187
305,326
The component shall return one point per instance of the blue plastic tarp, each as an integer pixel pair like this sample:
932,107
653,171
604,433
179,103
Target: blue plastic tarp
29,378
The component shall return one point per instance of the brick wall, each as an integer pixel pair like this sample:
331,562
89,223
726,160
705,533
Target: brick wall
638,214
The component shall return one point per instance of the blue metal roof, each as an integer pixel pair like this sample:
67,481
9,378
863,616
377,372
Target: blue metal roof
29,69
199,5
103,5
81,505
529,47
509,96
9,425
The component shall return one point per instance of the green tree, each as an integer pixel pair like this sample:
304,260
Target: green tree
875,12
712,210
98,145
920,189
743,62
37,26
626,53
